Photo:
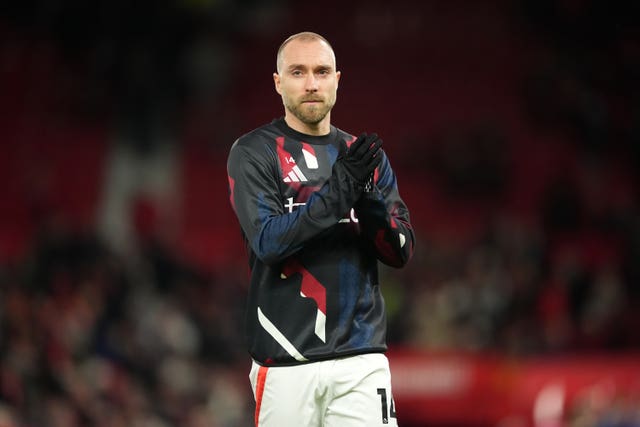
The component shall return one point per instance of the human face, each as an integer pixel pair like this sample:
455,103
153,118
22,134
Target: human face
307,80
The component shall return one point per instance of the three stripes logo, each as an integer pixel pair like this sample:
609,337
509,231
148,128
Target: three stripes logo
290,170
295,175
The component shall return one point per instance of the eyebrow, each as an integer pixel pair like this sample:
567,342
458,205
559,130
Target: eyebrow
319,67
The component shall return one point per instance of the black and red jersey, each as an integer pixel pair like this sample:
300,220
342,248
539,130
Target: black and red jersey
314,238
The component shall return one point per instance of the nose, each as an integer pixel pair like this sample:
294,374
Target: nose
311,84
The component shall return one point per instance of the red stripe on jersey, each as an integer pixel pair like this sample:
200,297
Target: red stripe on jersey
351,141
262,379
287,162
310,287
314,289
232,185
383,246
394,214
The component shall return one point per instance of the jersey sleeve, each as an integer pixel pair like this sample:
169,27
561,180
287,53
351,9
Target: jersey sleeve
272,233
384,219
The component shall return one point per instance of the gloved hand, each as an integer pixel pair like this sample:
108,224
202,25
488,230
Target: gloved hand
362,157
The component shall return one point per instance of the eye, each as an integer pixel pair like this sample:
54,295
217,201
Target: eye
296,73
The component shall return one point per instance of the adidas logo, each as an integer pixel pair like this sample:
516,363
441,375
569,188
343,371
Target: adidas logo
295,175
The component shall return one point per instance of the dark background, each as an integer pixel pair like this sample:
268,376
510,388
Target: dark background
513,128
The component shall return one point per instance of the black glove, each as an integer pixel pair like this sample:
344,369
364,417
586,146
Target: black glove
362,158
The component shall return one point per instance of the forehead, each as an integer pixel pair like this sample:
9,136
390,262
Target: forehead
307,52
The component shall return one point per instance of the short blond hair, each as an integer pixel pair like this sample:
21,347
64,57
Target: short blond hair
305,36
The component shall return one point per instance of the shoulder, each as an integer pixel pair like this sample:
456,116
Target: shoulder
259,141
344,135
254,147
257,137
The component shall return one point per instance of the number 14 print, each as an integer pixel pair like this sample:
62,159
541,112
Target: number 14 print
385,412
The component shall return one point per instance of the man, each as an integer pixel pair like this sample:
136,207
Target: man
318,208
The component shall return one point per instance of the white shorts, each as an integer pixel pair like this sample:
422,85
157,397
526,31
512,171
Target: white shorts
349,392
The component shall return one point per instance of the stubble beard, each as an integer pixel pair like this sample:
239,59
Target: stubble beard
310,114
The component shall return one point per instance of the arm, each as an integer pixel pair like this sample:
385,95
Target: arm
273,233
384,219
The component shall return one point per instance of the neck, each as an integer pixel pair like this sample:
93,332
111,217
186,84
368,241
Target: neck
318,129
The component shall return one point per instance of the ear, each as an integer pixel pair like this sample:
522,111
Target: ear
276,82
338,74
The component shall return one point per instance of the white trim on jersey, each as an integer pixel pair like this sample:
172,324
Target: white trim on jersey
279,337
321,321
295,175
310,159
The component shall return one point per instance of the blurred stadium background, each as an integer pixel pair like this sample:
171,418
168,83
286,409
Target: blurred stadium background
513,128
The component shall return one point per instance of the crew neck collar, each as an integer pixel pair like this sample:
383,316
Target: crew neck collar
281,124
